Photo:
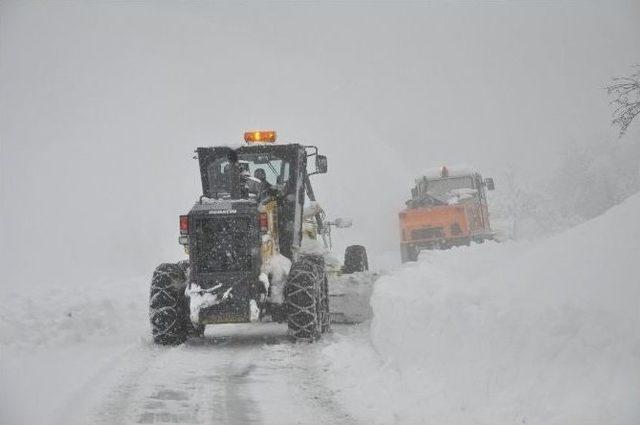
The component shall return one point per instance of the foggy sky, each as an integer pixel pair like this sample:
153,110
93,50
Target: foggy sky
102,105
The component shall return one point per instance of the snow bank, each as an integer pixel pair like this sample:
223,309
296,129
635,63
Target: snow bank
53,315
538,334
544,332
57,338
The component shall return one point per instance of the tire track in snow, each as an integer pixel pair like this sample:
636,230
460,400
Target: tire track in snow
240,375
305,366
120,371
196,383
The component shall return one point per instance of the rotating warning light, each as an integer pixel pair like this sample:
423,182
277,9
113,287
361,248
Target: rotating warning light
261,136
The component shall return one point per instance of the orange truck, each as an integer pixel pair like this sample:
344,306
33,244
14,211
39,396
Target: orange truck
448,207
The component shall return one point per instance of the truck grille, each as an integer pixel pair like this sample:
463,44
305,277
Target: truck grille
222,244
427,233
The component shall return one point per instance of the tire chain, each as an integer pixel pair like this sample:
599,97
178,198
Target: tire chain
302,283
166,305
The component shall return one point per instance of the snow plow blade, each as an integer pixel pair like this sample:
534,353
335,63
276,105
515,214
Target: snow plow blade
349,296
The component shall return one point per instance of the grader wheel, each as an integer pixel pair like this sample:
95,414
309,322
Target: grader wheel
306,299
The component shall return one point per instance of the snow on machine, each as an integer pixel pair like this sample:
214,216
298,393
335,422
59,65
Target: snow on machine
448,207
254,250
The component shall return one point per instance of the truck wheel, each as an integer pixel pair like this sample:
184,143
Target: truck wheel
355,259
408,253
303,298
168,307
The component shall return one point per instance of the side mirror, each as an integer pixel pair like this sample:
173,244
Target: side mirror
489,183
321,164
342,223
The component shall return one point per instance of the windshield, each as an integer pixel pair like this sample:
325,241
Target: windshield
444,186
266,167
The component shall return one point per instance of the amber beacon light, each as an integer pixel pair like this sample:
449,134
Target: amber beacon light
261,136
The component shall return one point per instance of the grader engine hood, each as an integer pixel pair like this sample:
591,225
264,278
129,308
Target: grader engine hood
224,251
223,237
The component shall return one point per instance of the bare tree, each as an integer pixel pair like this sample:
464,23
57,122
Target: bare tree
626,99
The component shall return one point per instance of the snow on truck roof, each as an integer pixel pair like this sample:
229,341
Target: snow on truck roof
446,171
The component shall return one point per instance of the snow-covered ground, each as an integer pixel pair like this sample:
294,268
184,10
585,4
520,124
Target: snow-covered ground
59,340
98,365
540,332
546,332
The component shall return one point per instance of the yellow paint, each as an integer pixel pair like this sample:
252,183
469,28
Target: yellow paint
270,246
310,228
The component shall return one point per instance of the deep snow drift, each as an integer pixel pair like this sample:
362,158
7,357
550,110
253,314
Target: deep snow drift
546,332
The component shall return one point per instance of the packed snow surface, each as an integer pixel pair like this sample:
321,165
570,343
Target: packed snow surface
546,332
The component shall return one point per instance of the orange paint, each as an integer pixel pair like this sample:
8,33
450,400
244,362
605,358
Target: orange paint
425,224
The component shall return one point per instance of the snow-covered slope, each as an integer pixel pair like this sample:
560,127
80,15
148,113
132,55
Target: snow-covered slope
546,332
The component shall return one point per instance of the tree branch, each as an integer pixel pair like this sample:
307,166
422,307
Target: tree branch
626,97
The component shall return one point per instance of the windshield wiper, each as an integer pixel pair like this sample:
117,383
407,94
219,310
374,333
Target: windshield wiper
275,172
434,200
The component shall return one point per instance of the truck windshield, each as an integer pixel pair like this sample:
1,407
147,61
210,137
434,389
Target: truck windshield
446,185
269,167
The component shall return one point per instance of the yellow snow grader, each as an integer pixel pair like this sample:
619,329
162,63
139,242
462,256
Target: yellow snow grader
257,247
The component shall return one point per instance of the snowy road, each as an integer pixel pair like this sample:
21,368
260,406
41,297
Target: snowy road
86,357
474,335
237,374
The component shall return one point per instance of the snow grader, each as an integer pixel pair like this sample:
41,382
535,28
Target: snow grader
448,207
257,242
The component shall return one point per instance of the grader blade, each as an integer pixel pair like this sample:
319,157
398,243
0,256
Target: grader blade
349,296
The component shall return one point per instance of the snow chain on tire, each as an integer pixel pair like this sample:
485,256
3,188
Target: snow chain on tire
307,311
168,308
